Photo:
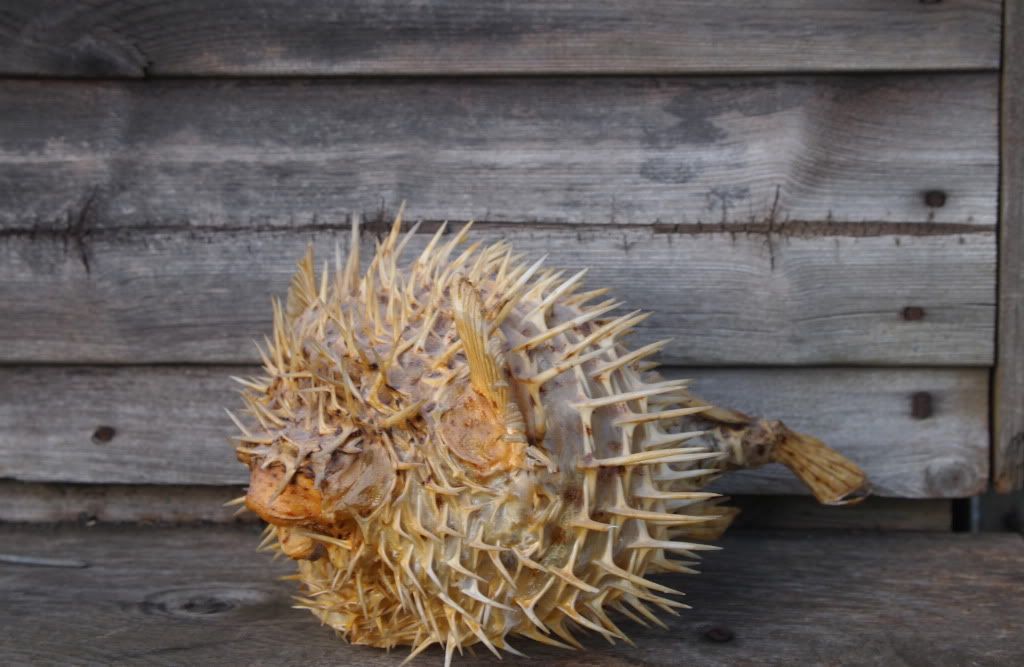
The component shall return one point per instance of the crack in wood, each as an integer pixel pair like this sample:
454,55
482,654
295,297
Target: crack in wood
79,228
83,226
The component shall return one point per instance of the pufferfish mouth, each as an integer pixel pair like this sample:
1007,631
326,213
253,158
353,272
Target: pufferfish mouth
351,483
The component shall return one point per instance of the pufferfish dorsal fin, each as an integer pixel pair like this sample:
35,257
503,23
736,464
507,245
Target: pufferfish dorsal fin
486,361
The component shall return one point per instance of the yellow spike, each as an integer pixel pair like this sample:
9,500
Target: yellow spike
677,495
405,239
518,290
661,518
655,456
643,418
657,440
238,423
351,281
425,258
550,299
533,634
609,330
251,384
626,396
669,545
562,366
566,574
396,229
626,359
580,299
579,320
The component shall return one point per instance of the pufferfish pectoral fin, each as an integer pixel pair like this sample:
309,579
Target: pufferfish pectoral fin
486,362
484,427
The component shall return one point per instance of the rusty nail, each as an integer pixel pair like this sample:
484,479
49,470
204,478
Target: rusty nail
718,634
103,434
913,313
935,198
921,405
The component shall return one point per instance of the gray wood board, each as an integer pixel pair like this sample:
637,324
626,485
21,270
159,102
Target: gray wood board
76,156
28,502
875,513
91,504
169,425
148,38
761,297
1008,419
176,596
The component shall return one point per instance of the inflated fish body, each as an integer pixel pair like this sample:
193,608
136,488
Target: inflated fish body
464,450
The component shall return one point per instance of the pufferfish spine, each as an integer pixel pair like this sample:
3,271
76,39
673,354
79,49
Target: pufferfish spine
464,450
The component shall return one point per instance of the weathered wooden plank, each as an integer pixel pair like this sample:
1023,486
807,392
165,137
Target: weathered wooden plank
81,155
1008,419
768,297
868,415
146,38
166,425
202,596
91,504
875,513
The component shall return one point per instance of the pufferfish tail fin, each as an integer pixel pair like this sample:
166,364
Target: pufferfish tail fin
750,442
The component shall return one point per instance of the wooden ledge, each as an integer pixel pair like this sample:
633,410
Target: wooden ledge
201,595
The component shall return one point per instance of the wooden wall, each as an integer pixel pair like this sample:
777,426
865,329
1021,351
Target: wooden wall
806,194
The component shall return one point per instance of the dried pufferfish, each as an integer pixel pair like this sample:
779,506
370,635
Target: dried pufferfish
464,450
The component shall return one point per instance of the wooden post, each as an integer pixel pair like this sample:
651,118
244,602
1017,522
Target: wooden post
1008,403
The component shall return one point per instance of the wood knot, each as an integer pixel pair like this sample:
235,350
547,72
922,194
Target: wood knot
202,602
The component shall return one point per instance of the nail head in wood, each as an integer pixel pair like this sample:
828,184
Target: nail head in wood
103,434
935,198
913,313
921,405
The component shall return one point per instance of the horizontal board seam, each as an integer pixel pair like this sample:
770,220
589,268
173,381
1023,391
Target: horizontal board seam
75,229
680,73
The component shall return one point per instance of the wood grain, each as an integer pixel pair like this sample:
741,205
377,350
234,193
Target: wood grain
88,504
866,414
763,297
92,504
146,38
169,425
203,596
78,156
874,514
1008,419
